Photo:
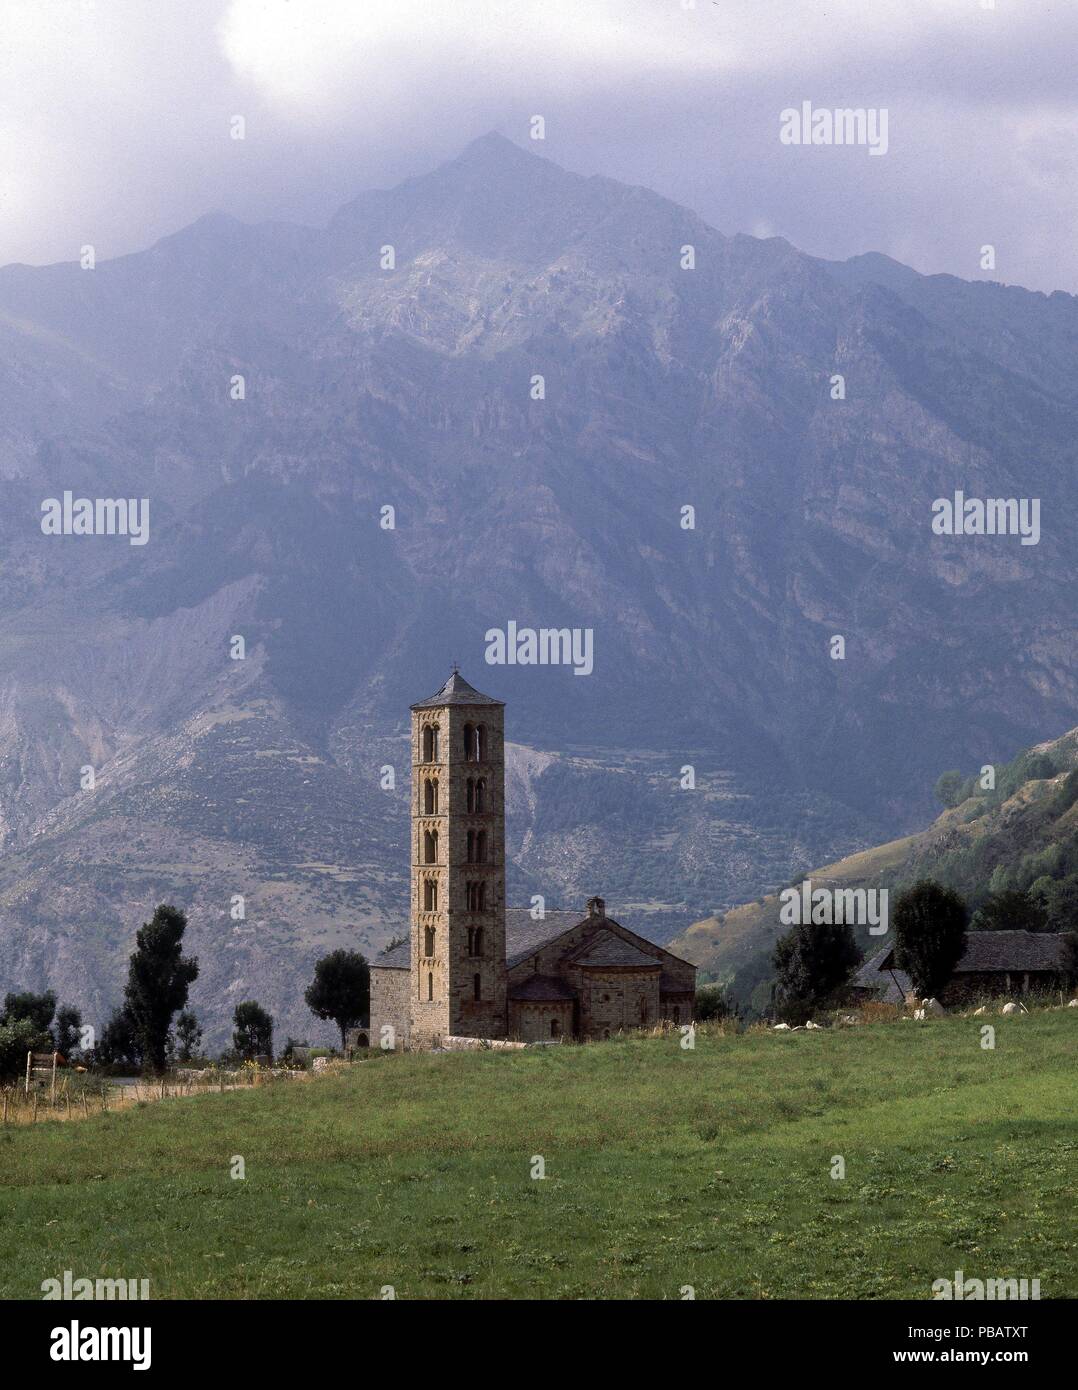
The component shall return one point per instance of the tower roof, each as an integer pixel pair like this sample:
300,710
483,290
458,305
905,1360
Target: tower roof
457,691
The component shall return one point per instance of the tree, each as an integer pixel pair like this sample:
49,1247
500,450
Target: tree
158,979
341,990
118,1044
17,1038
930,934
949,788
1069,958
812,961
1010,911
1061,902
254,1029
188,1036
713,1002
36,1009
66,1029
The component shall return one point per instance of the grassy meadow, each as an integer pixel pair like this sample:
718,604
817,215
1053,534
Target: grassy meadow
664,1168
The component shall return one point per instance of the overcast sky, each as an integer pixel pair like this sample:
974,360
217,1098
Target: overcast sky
115,115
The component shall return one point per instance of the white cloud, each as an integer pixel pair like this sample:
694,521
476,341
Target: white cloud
114,115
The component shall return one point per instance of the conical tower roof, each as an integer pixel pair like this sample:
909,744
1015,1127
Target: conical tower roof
457,691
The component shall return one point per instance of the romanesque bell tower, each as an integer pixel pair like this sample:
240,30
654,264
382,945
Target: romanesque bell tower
457,977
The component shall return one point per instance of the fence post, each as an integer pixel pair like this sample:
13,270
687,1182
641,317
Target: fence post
52,1093
29,1064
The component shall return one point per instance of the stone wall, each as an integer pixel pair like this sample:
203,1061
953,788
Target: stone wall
530,1019
389,1006
615,1000
968,987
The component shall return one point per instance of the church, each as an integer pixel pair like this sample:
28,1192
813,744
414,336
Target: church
473,967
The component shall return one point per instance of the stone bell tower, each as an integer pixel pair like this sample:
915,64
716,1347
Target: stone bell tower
457,976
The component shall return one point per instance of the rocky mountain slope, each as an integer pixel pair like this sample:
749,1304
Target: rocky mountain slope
1022,835
411,388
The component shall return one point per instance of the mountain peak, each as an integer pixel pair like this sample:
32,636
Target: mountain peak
492,148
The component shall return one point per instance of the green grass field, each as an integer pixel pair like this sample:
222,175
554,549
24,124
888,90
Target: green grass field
664,1168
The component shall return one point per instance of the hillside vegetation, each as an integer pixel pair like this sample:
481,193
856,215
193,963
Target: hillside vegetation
1021,834
665,1168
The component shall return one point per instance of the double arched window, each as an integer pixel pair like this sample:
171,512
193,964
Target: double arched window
476,788
428,941
475,743
430,796
477,897
477,846
430,895
430,846
475,941
430,743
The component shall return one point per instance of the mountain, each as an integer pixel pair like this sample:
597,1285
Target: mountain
412,388
1021,835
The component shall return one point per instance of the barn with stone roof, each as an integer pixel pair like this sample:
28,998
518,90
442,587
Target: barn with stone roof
993,963
472,967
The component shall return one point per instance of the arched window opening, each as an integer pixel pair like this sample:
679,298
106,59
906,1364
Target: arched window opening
480,796
643,1011
428,941
430,985
471,847
477,897
480,743
469,743
677,1014
430,743
430,797
470,795
476,993
481,847
478,942
430,846
430,895
555,1027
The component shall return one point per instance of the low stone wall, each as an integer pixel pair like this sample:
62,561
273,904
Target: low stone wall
454,1044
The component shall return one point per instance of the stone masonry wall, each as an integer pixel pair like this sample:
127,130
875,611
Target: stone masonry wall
390,999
